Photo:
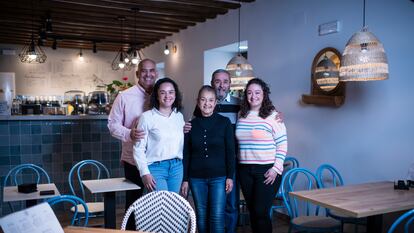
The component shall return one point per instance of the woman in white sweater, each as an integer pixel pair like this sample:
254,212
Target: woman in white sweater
159,155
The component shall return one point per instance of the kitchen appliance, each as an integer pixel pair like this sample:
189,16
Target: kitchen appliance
75,101
7,92
98,101
29,109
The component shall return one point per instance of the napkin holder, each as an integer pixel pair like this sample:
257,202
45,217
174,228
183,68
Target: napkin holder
27,188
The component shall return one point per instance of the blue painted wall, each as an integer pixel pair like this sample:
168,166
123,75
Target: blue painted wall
371,136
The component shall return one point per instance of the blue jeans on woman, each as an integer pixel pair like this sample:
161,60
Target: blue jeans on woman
168,174
210,202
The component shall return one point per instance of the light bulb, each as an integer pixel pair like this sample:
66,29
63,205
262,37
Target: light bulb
134,60
238,70
166,50
32,56
121,65
126,60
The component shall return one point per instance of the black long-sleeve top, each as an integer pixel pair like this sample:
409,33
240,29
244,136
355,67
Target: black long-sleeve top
209,149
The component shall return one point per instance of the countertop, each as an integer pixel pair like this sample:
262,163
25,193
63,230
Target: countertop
52,117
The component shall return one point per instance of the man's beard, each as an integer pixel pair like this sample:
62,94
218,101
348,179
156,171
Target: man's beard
221,96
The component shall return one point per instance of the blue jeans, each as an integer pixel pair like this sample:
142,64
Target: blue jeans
210,201
232,207
168,174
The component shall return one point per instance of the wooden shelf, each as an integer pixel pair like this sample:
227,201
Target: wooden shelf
326,100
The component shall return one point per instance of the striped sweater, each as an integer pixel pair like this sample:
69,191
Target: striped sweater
262,141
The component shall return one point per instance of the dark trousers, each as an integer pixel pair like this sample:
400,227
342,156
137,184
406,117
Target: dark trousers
258,195
132,174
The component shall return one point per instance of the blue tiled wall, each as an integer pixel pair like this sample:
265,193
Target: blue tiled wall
56,145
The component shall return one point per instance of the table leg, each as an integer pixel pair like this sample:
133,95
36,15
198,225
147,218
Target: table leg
374,224
110,210
30,203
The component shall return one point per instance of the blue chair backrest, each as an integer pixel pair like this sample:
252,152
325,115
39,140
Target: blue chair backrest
334,177
13,174
308,182
76,172
291,162
408,217
75,201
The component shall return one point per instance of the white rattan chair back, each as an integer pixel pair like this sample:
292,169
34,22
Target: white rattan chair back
162,212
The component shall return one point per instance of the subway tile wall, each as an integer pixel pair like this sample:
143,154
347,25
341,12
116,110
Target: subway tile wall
56,145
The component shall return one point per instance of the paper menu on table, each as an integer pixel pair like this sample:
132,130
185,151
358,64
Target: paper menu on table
36,219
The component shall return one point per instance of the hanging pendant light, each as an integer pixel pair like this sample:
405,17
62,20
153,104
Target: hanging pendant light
135,54
239,68
364,58
121,60
32,52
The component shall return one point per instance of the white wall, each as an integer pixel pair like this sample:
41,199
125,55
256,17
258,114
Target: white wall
368,138
62,71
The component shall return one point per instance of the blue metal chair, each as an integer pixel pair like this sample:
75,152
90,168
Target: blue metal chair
305,216
96,208
288,164
329,176
76,202
15,177
408,218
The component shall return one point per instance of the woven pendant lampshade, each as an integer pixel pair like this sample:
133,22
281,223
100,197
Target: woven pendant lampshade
364,58
239,68
326,74
240,71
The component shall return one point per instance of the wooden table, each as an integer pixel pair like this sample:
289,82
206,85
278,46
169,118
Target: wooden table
108,187
72,229
370,200
10,193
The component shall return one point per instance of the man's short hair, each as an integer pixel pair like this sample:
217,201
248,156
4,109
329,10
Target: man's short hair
218,71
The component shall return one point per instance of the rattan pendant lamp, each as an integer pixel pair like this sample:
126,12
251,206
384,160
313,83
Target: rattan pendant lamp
238,67
364,58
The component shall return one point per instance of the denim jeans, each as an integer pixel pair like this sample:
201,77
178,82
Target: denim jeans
168,174
210,201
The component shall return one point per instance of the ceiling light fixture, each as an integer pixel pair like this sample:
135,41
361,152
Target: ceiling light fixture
81,58
364,58
135,54
170,47
54,45
239,68
94,50
32,52
49,28
121,60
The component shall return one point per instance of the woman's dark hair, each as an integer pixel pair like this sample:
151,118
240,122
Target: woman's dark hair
197,111
267,105
154,103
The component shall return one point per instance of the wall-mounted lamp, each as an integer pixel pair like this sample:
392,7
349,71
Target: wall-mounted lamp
94,50
170,47
54,45
81,58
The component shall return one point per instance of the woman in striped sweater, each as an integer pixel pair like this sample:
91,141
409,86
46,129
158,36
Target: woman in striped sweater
263,146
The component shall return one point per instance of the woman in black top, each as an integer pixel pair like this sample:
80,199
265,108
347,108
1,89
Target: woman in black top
209,155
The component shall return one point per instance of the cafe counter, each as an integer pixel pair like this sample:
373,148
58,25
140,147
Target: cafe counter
56,143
